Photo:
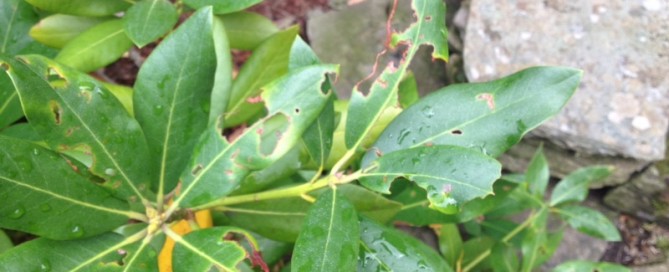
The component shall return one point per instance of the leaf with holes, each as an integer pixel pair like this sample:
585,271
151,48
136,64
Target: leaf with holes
37,186
293,102
59,29
428,29
451,175
267,63
148,20
76,115
222,7
387,249
574,187
328,238
92,8
172,94
201,250
96,47
488,117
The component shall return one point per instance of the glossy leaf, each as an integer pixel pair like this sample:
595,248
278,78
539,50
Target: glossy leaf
96,47
123,94
590,222
90,254
171,93
222,7
247,30
22,131
368,203
450,243
428,29
220,93
588,266
474,248
537,173
5,242
202,249
415,210
267,63
489,117
451,175
503,258
328,238
59,29
293,103
148,20
574,187
387,249
278,171
38,187
93,8
77,116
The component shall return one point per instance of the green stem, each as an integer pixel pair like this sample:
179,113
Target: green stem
506,239
294,191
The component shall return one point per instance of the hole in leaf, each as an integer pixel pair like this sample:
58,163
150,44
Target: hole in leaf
196,170
272,132
456,132
56,110
4,66
55,78
297,110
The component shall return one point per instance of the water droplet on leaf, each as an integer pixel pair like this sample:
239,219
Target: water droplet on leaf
428,111
45,207
77,231
45,266
35,151
403,134
17,213
158,109
110,172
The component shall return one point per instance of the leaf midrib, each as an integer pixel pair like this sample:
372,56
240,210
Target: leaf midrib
329,233
92,45
9,28
6,104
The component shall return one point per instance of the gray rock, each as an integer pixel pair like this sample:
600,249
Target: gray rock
562,162
645,196
623,47
353,35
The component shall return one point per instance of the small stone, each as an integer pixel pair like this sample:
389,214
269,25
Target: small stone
652,5
641,123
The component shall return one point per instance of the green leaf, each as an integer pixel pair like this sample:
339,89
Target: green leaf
534,240
92,8
5,242
59,29
148,20
415,210
267,63
222,7
328,238
38,187
490,117
574,187
590,222
474,248
123,94
428,29
293,103
537,173
220,93
287,214
278,171
587,266
450,243
503,258
77,116
96,47
22,131
387,249
172,93
408,90
247,30
10,106
90,254
451,175
202,249
16,18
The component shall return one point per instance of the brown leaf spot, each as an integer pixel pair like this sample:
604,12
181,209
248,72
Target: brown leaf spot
456,132
429,144
489,98
428,18
4,66
56,110
378,152
196,170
